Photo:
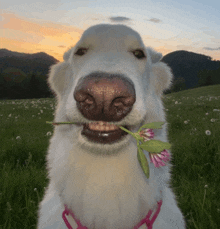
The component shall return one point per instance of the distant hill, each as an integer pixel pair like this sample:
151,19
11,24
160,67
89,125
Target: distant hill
37,62
184,64
187,64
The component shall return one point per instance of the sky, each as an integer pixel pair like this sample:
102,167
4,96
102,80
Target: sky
53,26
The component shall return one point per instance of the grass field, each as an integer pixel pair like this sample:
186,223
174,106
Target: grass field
194,132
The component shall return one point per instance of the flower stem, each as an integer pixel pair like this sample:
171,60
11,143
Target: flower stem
127,131
59,123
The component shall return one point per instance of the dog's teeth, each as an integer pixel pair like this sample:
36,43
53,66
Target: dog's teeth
111,127
97,127
91,125
107,128
102,126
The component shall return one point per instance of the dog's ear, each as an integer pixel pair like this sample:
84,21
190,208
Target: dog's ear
60,75
161,77
67,54
154,55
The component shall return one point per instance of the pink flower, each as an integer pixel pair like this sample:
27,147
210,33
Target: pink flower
147,134
158,158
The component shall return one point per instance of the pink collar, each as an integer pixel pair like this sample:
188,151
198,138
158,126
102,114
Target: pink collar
146,220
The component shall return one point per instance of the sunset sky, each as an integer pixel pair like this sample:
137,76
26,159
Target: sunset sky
54,26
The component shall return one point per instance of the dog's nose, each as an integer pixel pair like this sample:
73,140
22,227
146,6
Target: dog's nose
106,97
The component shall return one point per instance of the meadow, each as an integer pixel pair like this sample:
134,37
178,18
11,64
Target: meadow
194,129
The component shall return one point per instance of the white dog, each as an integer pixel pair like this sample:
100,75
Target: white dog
96,181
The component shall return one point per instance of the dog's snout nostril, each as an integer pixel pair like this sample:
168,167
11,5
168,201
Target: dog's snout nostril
117,104
89,101
80,97
106,97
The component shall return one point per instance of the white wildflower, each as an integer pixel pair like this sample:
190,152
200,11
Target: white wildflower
208,132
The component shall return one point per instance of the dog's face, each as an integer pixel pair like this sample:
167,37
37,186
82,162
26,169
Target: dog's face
109,78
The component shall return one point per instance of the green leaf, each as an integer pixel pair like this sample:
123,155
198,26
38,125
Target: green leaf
153,125
143,162
155,146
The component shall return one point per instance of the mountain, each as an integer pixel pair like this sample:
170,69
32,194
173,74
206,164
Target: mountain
186,65
37,62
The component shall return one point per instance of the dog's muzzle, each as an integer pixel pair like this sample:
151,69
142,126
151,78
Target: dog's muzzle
104,98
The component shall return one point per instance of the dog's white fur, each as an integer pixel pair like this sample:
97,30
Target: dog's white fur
103,184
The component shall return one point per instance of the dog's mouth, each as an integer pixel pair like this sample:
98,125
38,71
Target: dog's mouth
103,132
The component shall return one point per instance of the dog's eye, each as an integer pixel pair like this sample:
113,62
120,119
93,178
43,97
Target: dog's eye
81,51
138,53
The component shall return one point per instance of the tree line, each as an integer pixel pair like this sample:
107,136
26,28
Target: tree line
15,84
206,78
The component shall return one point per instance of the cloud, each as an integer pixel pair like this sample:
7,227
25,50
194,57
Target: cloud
155,20
211,49
119,19
26,35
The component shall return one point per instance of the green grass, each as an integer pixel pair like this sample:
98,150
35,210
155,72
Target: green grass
196,156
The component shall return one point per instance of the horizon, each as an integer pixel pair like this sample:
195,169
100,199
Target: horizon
62,60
